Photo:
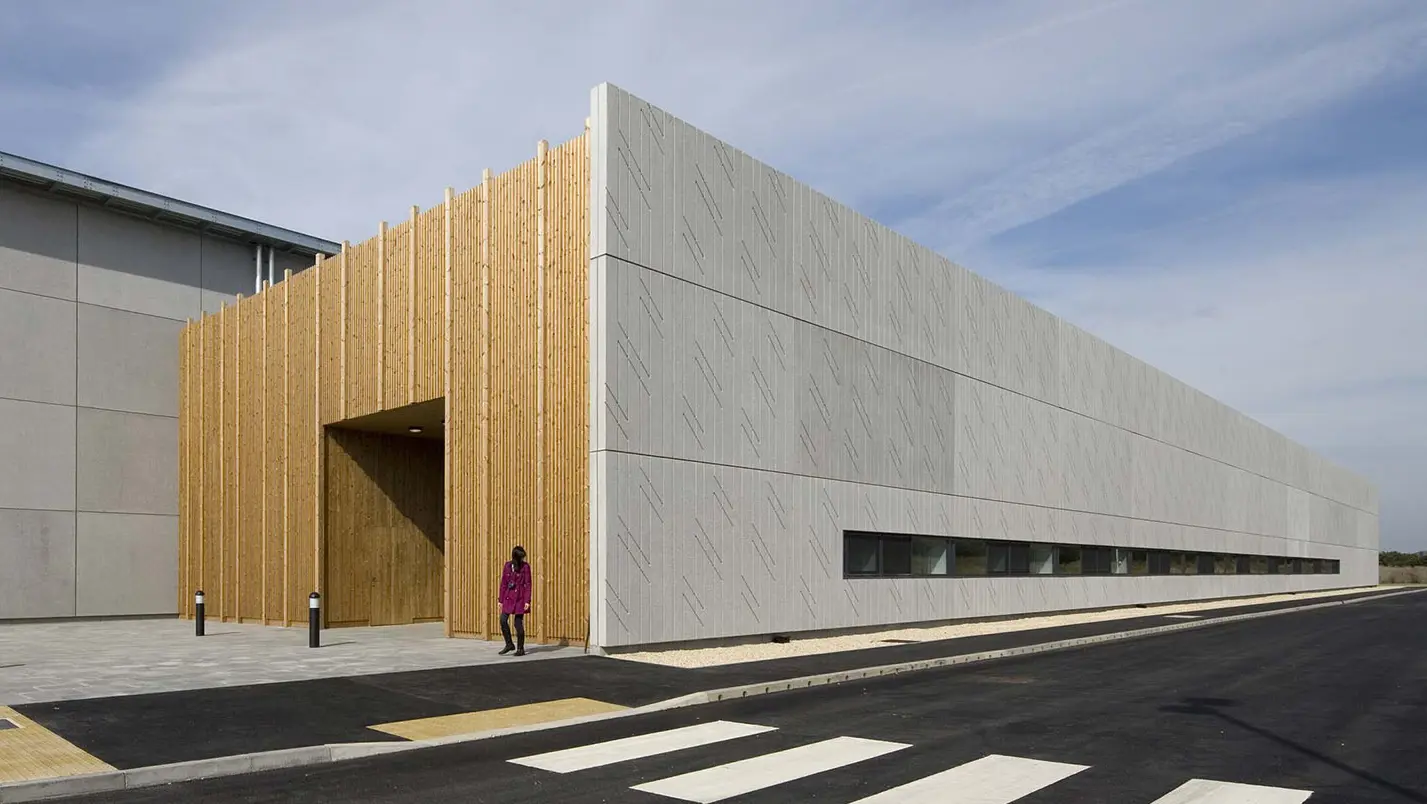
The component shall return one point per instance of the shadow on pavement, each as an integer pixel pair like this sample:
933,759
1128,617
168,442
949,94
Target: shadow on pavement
1214,707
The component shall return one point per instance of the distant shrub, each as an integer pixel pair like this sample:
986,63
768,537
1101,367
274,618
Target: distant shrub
1391,558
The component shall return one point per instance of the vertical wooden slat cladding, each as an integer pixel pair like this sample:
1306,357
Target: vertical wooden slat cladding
430,304
212,492
272,416
395,307
302,493
480,300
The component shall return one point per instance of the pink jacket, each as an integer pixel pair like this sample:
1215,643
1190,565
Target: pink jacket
514,588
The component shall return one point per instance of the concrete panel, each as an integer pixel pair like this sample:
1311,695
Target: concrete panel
128,463
37,348
36,456
128,361
36,564
130,264
37,244
126,564
227,271
699,551
772,369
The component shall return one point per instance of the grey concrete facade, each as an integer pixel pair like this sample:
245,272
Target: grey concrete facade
770,369
91,304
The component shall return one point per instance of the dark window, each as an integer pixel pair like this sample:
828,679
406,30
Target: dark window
1139,562
1042,559
1020,558
969,557
1095,560
861,553
873,554
1121,563
1161,563
1008,558
998,558
930,556
896,555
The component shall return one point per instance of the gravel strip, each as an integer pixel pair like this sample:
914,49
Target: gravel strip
735,654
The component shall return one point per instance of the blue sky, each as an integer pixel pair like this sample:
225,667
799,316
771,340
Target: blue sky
1232,190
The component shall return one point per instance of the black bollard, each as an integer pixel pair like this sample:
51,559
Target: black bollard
314,620
198,613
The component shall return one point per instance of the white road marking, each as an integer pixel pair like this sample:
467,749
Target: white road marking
993,779
1184,616
747,775
1203,791
645,745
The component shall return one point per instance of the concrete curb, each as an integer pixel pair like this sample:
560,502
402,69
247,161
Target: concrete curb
112,781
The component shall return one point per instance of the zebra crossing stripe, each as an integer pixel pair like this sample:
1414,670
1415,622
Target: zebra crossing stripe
645,745
993,779
1203,791
747,775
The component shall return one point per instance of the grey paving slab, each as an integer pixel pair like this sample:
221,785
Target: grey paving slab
57,661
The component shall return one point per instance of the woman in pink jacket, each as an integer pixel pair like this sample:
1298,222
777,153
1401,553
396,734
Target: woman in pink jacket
514,599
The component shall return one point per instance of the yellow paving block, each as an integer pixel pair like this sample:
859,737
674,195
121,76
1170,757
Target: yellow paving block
486,720
32,751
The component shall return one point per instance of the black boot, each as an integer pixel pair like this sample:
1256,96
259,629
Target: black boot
507,649
520,651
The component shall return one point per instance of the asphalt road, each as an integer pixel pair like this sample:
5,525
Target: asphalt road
156,729
1330,702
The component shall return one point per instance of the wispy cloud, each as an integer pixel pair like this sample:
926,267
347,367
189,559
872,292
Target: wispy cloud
1160,173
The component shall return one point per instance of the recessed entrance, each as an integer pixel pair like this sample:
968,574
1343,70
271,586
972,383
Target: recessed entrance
384,546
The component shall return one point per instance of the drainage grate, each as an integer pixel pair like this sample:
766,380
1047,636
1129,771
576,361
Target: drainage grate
6,724
902,641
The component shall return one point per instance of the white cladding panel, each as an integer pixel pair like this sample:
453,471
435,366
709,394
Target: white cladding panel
770,369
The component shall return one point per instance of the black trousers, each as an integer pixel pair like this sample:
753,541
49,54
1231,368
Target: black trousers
519,628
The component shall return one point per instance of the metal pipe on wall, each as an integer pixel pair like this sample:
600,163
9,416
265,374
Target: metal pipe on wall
257,269
272,270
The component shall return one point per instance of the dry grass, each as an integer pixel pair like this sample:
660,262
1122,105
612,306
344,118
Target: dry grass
1402,575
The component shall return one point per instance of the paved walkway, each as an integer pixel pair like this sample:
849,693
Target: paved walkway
96,659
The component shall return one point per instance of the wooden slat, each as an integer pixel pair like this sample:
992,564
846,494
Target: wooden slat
301,494
251,508
447,486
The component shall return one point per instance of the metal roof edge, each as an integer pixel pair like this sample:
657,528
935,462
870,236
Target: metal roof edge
169,209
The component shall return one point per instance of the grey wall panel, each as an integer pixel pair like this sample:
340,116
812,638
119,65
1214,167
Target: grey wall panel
129,264
704,551
770,369
37,350
128,361
36,563
227,269
37,244
127,463
126,564
37,442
